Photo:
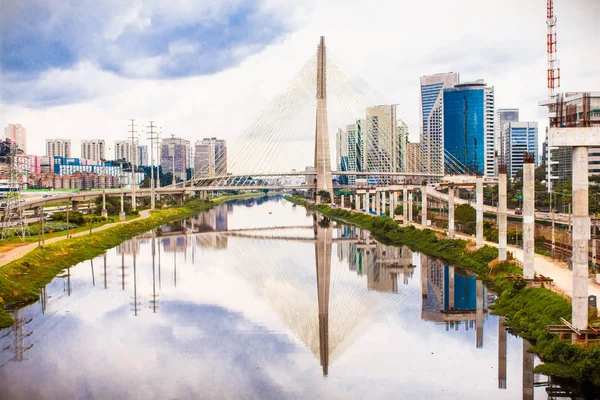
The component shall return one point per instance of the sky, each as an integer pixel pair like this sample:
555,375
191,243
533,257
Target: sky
81,69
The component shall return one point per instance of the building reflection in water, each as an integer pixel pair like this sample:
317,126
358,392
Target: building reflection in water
452,297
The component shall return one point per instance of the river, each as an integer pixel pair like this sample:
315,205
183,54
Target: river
242,302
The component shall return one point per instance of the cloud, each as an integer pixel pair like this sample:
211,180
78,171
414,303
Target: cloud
130,39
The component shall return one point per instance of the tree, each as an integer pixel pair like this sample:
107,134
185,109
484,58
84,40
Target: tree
325,196
465,216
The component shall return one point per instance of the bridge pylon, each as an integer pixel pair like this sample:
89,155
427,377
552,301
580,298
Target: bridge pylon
323,179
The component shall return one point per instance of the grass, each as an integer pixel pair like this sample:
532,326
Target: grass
21,280
528,310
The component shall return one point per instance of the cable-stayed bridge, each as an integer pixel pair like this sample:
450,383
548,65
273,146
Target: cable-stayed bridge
297,127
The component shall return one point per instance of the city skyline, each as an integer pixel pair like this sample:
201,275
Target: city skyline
52,110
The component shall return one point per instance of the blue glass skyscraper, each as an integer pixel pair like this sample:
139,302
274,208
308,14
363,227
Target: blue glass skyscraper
469,126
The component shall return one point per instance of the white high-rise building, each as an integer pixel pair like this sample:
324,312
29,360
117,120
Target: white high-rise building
58,147
142,155
503,115
490,140
124,150
17,134
93,149
204,160
432,118
381,147
520,137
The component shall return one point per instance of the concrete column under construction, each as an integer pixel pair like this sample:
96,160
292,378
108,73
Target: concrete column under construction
451,211
581,236
502,213
104,212
405,206
424,205
528,217
122,213
410,207
479,211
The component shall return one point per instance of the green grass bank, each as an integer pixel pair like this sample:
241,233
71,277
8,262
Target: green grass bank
528,310
21,280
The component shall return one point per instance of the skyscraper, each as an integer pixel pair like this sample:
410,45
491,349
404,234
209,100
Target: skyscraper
381,141
173,155
432,114
520,137
93,149
503,115
220,156
17,134
355,149
469,126
58,147
341,153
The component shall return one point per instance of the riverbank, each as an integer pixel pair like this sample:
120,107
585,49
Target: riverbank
21,279
528,310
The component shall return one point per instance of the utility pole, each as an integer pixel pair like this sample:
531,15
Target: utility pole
134,153
153,136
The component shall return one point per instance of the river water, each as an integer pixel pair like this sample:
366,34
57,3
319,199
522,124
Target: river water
258,299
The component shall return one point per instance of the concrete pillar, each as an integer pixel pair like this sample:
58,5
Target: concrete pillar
424,205
528,368
342,200
410,206
451,288
75,205
479,212
502,213
501,353
122,213
479,314
405,206
377,201
581,235
451,211
383,201
392,204
366,202
528,218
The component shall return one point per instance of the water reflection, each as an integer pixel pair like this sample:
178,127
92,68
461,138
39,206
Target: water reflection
247,311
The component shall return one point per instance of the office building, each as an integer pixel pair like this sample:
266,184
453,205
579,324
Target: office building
341,152
520,137
93,149
17,134
432,118
58,148
469,126
173,157
503,115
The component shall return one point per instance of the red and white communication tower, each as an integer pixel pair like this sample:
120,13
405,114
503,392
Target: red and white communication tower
553,66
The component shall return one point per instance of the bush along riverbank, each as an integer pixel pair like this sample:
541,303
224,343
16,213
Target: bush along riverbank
528,310
21,280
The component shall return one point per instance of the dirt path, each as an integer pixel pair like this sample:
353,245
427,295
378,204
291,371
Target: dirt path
20,251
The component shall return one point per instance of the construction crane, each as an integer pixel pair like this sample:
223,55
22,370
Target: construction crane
553,65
